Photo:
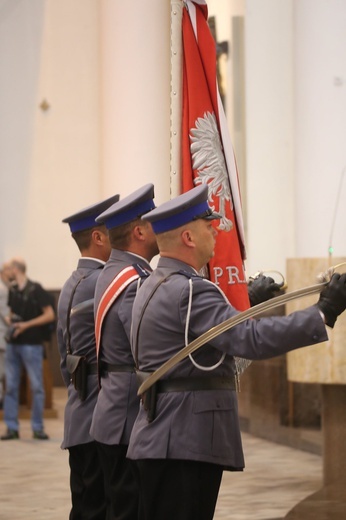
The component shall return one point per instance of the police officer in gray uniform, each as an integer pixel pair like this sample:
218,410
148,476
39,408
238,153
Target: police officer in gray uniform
182,449
76,337
133,246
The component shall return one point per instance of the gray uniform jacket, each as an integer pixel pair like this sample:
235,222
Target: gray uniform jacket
117,402
202,425
78,413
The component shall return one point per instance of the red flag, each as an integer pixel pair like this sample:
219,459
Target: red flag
207,153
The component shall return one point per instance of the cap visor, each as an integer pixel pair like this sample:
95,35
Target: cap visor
213,216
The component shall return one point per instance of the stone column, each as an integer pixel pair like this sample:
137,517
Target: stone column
324,364
135,96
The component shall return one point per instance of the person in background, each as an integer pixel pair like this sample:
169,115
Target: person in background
30,309
4,322
187,430
76,341
133,246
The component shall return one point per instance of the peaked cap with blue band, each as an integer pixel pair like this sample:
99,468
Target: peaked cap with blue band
86,217
189,206
129,208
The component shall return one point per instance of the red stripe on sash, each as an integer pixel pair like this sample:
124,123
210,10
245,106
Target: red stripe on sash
116,287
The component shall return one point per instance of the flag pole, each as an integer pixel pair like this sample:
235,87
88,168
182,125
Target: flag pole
176,97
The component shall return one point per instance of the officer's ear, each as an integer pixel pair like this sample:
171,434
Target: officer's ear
99,236
187,238
139,232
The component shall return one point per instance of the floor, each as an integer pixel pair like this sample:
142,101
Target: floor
34,477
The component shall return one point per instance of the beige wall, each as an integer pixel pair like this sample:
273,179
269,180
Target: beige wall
105,75
103,67
295,130
49,160
269,134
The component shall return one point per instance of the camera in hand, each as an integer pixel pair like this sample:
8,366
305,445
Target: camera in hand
11,329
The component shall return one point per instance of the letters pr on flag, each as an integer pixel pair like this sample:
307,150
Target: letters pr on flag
207,153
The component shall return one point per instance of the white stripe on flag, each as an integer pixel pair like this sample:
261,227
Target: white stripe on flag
231,169
192,14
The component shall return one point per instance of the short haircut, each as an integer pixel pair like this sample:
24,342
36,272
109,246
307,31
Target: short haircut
83,238
19,264
120,237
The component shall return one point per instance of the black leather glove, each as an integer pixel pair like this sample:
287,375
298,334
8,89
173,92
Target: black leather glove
332,300
261,289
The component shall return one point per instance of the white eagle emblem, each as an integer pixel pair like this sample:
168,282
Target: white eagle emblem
209,161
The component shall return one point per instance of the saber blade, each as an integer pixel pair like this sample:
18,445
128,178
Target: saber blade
87,305
227,325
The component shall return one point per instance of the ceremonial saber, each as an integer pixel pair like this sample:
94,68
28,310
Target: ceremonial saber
87,305
223,327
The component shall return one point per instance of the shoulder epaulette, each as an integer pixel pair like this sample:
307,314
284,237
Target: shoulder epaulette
143,272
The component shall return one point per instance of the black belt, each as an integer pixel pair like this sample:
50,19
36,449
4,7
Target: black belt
109,367
91,368
192,384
